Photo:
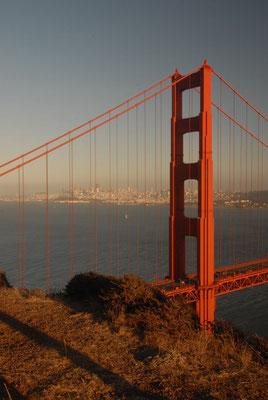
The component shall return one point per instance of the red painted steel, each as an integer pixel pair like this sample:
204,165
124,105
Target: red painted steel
190,293
206,283
263,262
23,227
205,238
86,123
145,190
176,219
137,189
223,285
110,198
238,94
241,281
245,129
161,186
88,130
19,200
71,210
95,202
47,224
128,187
155,186
117,203
203,226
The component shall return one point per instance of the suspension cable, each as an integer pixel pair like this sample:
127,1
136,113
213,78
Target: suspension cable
97,126
239,95
86,123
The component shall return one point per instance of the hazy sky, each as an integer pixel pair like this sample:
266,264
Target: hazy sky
64,61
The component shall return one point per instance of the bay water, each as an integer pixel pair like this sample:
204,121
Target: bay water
123,239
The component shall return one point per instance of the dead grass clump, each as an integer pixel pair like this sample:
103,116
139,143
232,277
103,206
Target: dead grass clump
152,315
259,346
3,280
225,332
202,366
132,294
37,293
89,285
224,329
131,302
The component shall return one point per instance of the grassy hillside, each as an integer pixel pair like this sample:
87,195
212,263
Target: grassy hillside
108,338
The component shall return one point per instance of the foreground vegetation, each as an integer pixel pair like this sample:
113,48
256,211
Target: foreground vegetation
108,338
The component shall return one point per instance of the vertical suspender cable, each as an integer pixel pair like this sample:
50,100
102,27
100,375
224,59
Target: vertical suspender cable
155,185
96,214
117,203
233,208
19,227
90,203
217,187
70,209
128,194
171,174
23,225
246,190
241,143
145,196
261,217
161,185
229,211
47,225
110,199
258,193
137,187
251,198
220,224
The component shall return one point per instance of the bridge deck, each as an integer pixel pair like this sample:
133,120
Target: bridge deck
227,279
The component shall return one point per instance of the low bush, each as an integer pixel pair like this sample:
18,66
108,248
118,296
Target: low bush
3,280
89,285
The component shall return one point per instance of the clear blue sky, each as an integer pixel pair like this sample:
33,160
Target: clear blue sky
63,61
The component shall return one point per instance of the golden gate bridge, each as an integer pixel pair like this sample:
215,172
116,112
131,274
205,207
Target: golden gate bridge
129,146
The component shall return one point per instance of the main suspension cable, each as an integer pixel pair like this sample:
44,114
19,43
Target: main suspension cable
96,126
239,95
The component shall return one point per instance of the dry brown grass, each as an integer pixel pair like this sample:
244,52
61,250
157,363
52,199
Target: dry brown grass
154,317
133,344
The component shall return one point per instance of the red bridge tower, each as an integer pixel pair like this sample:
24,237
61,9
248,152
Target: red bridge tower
201,227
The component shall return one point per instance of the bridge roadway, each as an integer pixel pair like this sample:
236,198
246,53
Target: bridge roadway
227,279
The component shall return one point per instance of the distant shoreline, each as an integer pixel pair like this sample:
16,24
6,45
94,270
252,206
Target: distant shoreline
132,203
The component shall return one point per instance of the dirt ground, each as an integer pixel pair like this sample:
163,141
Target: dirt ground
53,349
